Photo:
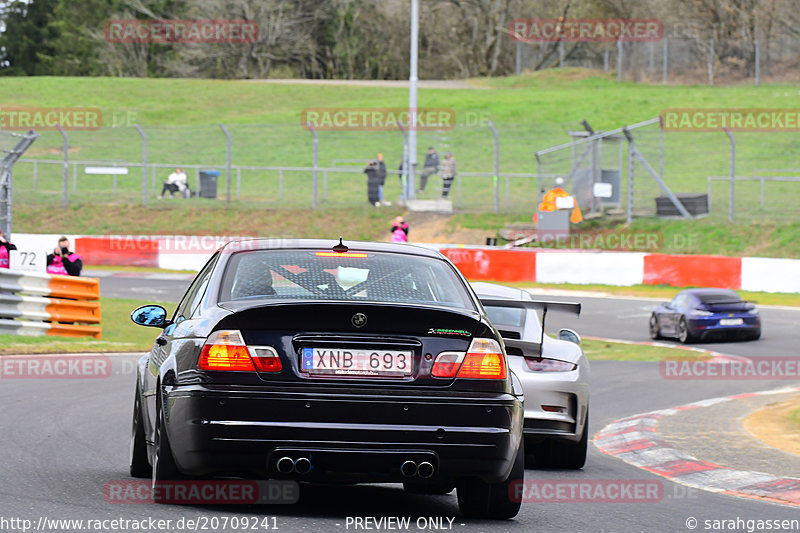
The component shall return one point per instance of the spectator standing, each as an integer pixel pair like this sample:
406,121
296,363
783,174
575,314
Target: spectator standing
448,173
64,262
431,167
5,248
176,182
372,183
399,229
381,179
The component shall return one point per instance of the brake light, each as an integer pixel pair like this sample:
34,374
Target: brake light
265,358
446,364
343,254
484,360
226,350
543,364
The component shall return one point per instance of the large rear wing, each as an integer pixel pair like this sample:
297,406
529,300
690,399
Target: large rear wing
567,307
539,305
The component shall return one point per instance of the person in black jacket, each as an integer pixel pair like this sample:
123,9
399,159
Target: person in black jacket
431,167
372,183
381,179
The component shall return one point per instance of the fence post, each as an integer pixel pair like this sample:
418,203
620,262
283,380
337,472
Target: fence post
732,186
629,210
314,172
227,163
496,166
65,185
758,61
605,60
144,163
619,59
664,66
711,61
405,194
239,183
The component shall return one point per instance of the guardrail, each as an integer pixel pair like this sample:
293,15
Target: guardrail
48,304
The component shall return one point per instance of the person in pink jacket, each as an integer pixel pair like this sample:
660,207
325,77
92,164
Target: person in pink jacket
64,262
5,248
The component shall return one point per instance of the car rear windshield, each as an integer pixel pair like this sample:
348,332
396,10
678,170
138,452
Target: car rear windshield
719,297
355,276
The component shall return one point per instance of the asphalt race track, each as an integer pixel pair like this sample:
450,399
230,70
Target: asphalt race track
63,440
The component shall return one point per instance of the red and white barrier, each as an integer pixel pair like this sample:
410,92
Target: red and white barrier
179,252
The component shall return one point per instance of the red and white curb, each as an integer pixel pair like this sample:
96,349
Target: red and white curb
635,440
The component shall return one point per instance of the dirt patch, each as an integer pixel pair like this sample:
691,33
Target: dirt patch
771,424
429,227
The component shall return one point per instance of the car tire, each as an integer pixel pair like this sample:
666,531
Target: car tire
558,454
684,335
139,465
655,329
478,499
165,471
428,488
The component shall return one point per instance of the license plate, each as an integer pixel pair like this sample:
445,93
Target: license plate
356,362
731,322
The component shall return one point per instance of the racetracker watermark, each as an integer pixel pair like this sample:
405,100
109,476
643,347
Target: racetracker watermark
768,368
23,118
203,492
586,30
624,240
378,118
587,491
181,31
55,367
733,119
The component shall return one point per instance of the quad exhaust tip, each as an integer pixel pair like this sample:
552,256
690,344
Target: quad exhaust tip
302,466
408,469
425,470
285,465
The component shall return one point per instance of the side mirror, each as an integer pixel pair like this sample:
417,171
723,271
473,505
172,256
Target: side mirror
668,305
150,315
569,335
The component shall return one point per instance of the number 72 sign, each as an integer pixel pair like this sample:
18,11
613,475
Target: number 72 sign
28,260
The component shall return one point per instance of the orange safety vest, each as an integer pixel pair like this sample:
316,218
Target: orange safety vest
549,204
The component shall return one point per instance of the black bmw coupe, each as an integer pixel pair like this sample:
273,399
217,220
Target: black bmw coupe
314,361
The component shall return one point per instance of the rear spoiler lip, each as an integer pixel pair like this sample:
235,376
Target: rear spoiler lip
567,307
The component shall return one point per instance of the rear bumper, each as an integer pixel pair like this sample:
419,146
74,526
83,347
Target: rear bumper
347,437
706,330
556,403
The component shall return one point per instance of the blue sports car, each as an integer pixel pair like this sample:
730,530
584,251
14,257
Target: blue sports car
703,314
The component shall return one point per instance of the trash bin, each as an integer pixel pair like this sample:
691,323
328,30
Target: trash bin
208,183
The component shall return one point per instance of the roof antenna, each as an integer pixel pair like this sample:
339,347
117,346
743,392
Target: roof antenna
340,248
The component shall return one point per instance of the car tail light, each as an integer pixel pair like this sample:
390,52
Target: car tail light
484,360
226,350
543,364
265,358
700,312
446,364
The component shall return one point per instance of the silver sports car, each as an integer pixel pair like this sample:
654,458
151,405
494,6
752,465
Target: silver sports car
554,373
